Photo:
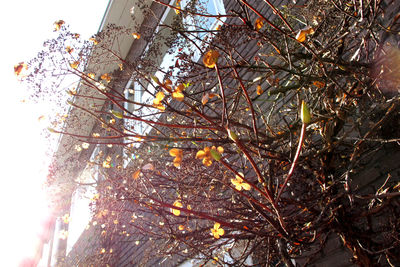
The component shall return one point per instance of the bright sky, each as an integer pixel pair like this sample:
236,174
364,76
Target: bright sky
25,25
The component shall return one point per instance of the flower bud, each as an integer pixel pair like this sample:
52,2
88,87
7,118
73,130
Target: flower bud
232,135
117,114
305,113
155,79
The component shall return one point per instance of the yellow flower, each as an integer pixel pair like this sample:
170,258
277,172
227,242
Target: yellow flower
136,35
207,97
94,41
215,260
160,107
239,184
259,90
178,204
107,163
106,77
217,231
302,34
69,49
210,58
259,23
167,85
19,69
58,24
177,94
66,218
136,174
157,101
95,197
177,153
178,7
74,64
206,155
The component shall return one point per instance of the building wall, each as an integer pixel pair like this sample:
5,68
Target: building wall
334,253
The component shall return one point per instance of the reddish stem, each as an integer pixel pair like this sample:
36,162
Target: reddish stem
193,13
171,125
224,113
251,184
296,157
279,14
203,215
262,16
248,101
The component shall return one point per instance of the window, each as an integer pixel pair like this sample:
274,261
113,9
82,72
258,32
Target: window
202,25
199,31
80,212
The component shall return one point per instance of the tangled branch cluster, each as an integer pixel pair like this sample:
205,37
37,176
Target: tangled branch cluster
228,170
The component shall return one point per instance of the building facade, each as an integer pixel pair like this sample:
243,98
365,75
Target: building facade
147,18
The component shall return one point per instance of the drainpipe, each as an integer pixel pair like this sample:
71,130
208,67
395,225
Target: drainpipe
59,247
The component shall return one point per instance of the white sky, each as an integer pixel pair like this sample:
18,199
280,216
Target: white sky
25,25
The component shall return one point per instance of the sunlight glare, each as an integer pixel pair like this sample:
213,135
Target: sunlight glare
24,152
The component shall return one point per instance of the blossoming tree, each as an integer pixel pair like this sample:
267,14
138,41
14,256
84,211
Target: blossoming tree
234,168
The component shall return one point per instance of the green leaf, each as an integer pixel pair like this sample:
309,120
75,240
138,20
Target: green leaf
51,130
117,114
232,135
215,154
155,79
